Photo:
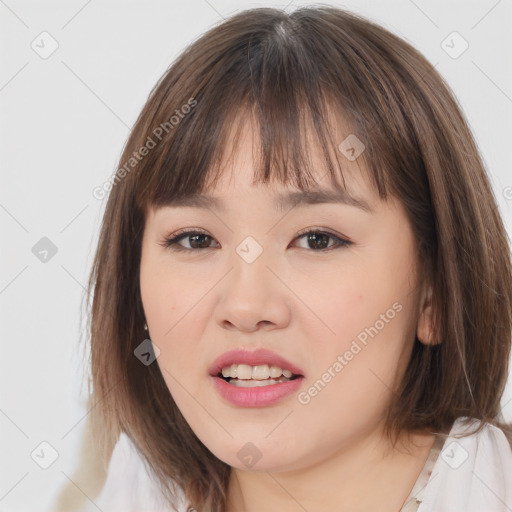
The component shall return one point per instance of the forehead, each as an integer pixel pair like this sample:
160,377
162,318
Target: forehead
237,171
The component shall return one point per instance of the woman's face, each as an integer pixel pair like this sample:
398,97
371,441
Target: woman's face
343,316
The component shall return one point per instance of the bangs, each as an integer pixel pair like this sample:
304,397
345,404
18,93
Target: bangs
285,82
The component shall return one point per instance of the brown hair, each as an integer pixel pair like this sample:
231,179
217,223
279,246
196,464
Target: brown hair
288,71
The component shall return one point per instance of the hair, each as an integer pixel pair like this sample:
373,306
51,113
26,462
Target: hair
288,72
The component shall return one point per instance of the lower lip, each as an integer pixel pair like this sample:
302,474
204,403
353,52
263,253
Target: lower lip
260,396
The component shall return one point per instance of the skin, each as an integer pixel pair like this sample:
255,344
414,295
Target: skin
308,305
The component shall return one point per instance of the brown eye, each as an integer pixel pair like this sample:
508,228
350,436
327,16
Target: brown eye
319,241
197,240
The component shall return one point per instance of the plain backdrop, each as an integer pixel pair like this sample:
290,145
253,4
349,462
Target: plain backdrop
64,119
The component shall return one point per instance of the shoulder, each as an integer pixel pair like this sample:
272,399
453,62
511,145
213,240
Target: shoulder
473,471
131,487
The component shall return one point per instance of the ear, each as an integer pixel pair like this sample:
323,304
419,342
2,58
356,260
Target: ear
425,327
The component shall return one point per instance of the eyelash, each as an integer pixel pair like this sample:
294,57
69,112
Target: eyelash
172,242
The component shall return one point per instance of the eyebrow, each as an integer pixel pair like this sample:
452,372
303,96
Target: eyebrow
282,202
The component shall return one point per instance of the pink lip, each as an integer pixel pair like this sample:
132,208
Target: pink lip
254,358
255,397
258,396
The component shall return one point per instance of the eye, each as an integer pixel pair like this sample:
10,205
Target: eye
319,240
198,240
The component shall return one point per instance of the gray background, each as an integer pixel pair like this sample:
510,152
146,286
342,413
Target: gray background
64,120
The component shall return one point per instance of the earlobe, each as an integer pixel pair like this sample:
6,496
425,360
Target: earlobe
425,328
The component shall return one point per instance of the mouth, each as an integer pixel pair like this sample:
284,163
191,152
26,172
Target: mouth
246,376
255,379
245,369
258,365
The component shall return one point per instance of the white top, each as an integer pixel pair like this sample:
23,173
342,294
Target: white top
471,474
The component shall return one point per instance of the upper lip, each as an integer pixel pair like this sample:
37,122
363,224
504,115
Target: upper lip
252,358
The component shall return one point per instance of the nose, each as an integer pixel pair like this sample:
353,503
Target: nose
253,295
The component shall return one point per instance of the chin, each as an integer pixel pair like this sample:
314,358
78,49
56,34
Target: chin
257,455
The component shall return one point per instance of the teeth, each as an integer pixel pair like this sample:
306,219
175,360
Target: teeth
244,371
275,372
259,372
253,383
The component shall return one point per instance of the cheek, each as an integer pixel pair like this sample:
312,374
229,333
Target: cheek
176,322
346,302
366,313
355,373
164,296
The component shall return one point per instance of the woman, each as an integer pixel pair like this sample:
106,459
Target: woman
302,288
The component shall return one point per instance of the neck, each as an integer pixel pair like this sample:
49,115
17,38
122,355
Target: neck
367,475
